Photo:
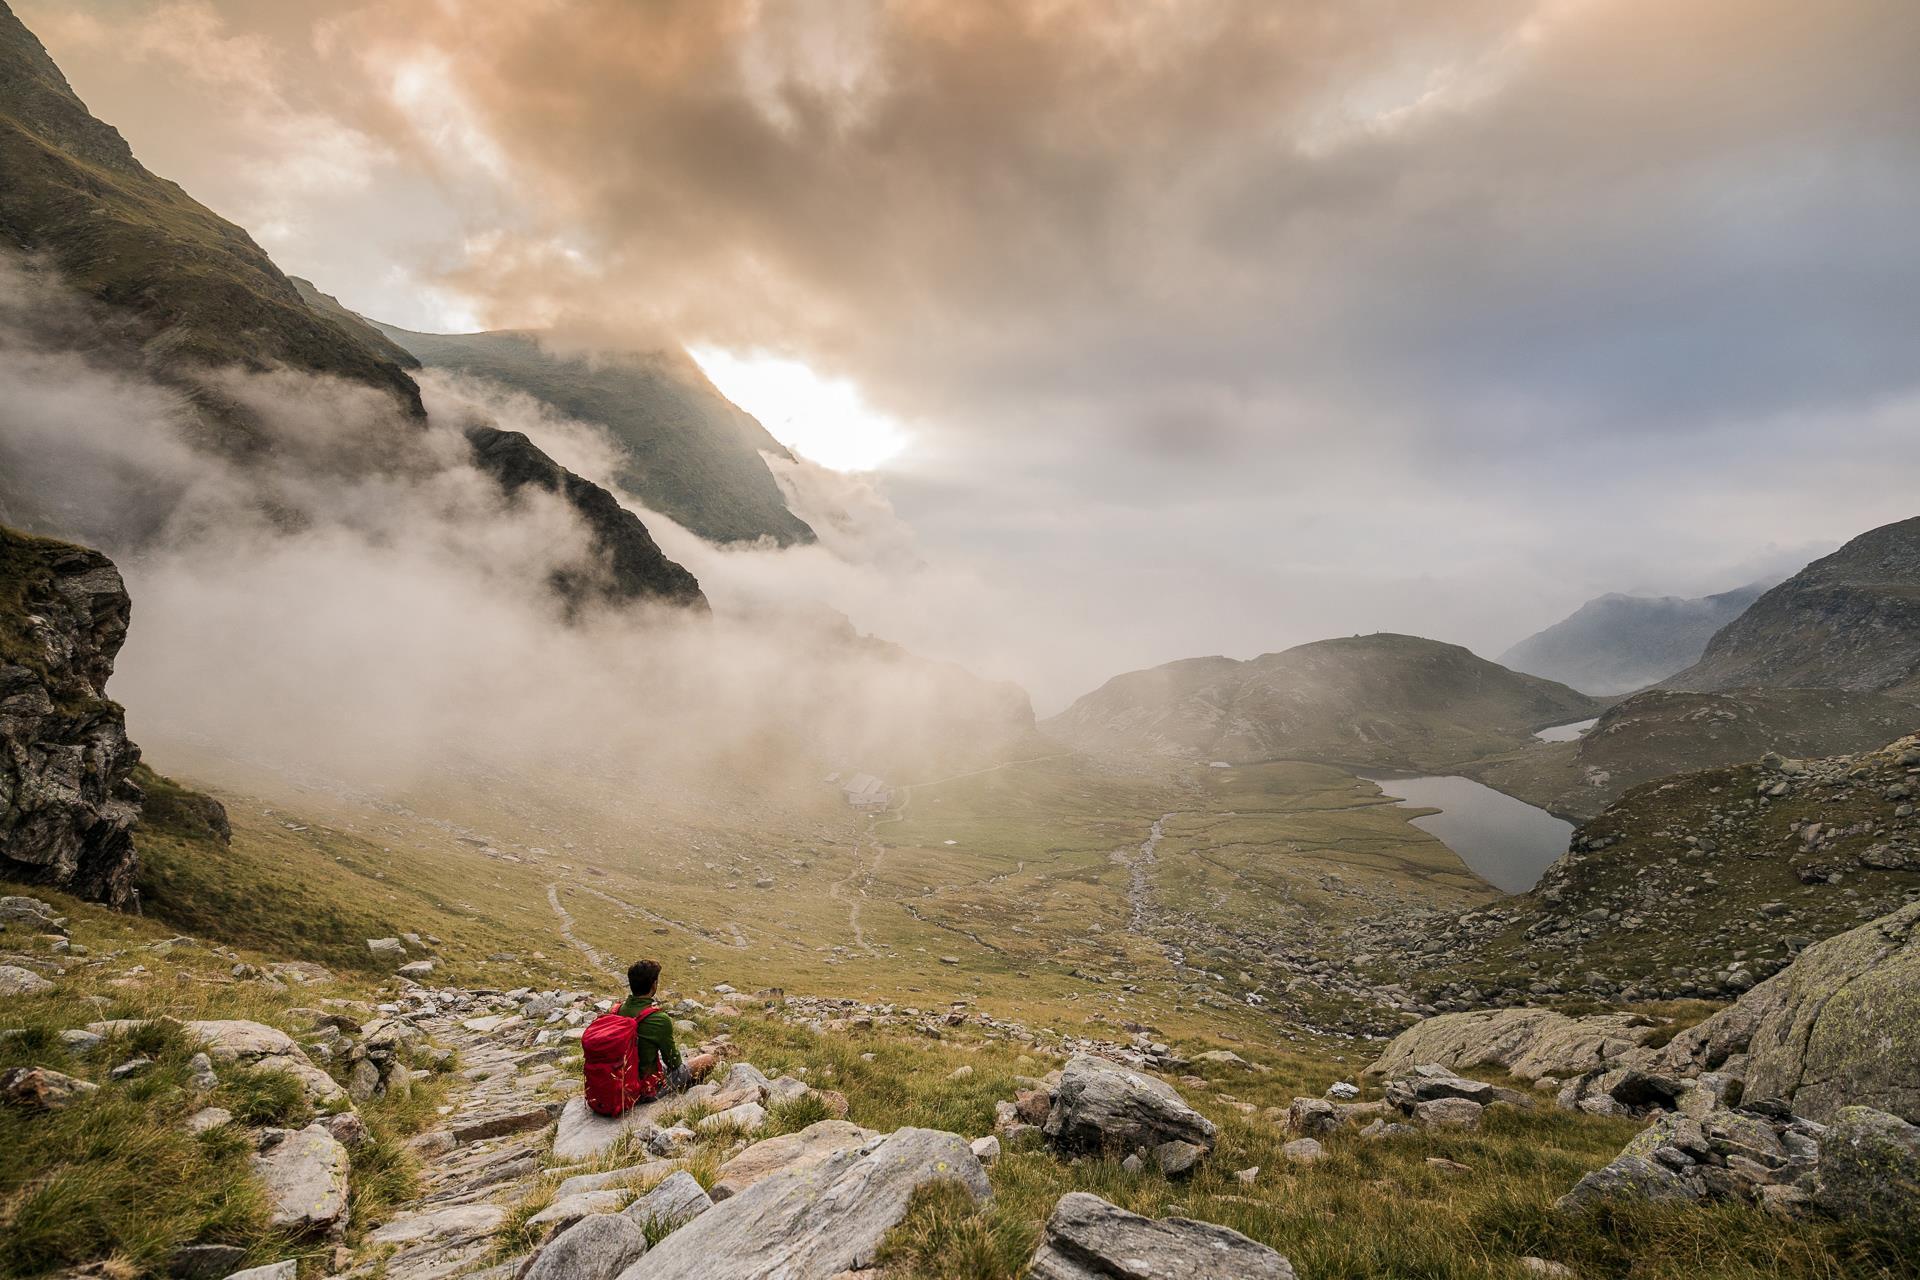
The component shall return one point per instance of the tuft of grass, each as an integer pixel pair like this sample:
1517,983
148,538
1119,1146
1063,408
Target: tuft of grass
265,1098
793,1116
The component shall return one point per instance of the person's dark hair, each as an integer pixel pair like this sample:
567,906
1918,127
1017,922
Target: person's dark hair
644,976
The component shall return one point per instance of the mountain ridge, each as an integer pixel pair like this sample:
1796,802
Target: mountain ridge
1617,643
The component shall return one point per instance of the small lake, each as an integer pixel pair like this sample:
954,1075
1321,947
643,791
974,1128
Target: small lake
1567,732
1507,842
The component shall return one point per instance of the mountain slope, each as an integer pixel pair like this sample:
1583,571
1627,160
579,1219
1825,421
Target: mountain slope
632,566
1383,699
1619,643
194,290
1664,731
686,450
1848,621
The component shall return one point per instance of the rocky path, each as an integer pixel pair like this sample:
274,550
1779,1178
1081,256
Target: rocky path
488,1151
597,959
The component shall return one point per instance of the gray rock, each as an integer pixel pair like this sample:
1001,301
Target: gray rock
200,1073
417,970
208,1118
287,1270
1627,1178
1869,1169
1448,1113
582,1135
597,1248
567,1210
460,1222
986,1150
1178,1159
631,1175
265,1048
788,1151
32,914
42,1088
1101,1106
746,1117
386,948
79,1041
1528,1043
15,981
1303,1150
1311,1117
1088,1239
677,1200
817,1221
305,1175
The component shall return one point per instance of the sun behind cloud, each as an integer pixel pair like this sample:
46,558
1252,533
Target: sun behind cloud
824,419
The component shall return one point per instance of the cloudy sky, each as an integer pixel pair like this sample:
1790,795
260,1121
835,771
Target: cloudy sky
1203,327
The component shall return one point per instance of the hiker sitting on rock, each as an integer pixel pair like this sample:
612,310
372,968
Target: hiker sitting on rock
629,1054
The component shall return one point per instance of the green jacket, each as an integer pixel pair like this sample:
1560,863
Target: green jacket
656,1033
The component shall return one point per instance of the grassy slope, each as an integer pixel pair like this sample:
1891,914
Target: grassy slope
193,288
119,1177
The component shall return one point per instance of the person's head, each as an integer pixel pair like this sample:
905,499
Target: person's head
643,976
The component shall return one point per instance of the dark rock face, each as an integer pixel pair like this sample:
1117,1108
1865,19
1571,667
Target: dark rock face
632,565
1848,621
67,802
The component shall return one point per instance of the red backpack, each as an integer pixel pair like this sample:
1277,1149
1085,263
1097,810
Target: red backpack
614,1082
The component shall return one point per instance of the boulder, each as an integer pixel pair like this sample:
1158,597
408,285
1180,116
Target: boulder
42,1088
1102,1106
986,1150
818,1221
204,1261
1844,1027
1869,1169
788,1151
265,1048
745,1117
631,1175
1178,1159
597,1248
1627,1178
1088,1239
386,949
1311,1117
1448,1113
1303,1150
1528,1043
31,914
417,970
287,1270
677,1200
582,1135
305,1174
15,981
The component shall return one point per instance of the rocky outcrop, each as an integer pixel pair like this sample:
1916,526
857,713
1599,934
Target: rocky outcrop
264,1048
789,1151
1850,620
1089,1239
599,1248
1528,1043
305,1174
629,564
818,1221
1870,1169
1100,1106
67,800
1838,1027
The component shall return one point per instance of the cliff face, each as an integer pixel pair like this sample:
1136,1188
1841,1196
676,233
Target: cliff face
632,567
67,801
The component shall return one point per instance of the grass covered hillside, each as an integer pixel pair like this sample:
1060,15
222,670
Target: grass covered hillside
1704,883
1662,732
1379,700
192,289
685,449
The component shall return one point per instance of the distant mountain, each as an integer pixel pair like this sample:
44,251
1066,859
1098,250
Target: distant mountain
1384,700
686,450
1848,621
193,291
1619,643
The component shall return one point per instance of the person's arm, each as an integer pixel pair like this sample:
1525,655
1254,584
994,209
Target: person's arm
656,1031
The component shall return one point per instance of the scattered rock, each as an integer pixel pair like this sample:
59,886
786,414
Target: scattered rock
386,948
986,1150
818,1221
208,1118
567,1210
1100,1106
1088,1239
1627,1177
266,1048
15,981
287,1270
1178,1159
306,1180
791,1151
598,1248
677,1200
459,1222
747,1117
1303,1151
1448,1113
42,1088
204,1261
417,970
